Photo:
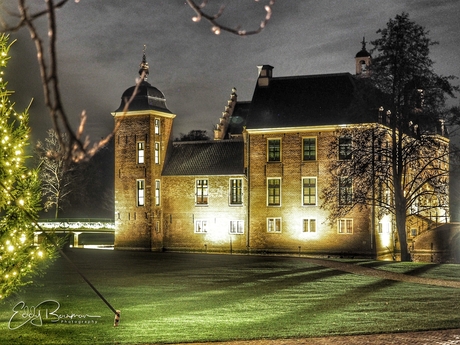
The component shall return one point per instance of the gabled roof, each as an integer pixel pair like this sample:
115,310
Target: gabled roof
303,101
205,158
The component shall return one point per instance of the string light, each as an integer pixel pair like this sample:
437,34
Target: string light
20,257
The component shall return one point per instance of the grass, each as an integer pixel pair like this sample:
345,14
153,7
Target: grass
171,298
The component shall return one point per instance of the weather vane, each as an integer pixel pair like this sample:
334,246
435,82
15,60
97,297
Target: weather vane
144,66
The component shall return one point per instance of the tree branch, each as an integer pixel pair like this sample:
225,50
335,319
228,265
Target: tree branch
217,28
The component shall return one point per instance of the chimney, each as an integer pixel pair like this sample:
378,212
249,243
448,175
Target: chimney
265,74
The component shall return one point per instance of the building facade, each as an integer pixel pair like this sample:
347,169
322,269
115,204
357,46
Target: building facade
256,187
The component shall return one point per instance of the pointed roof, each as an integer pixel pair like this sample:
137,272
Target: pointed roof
147,97
363,52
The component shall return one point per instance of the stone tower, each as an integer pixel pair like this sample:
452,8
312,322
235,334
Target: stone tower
141,141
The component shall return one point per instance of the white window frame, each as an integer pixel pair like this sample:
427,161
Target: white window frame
140,192
309,225
303,149
235,190
345,148
157,192
201,192
343,226
280,150
384,228
316,191
157,152
140,152
201,226
236,227
345,190
157,126
274,225
274,196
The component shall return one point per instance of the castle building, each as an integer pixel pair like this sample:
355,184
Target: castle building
256,187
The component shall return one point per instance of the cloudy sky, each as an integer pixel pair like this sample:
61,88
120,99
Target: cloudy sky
100,47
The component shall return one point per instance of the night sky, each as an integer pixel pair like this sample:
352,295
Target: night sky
100,46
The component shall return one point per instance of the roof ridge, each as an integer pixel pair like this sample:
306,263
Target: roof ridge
337,74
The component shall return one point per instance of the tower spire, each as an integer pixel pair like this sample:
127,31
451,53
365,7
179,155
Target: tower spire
364,43
144,66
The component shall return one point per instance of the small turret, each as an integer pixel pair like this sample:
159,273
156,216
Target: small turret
363,61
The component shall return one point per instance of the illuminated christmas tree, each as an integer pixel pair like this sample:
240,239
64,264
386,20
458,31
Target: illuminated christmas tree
20,198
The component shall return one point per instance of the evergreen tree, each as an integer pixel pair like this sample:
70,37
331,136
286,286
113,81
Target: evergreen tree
20,197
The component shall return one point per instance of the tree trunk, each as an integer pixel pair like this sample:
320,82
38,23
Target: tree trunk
399,197
402,236
56,212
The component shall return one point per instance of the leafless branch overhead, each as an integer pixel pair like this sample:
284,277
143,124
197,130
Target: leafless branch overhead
217,28
77,148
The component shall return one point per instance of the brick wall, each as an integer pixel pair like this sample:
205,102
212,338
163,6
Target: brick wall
136,226
181,213
291,169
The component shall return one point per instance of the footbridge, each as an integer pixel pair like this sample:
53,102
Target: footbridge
79,232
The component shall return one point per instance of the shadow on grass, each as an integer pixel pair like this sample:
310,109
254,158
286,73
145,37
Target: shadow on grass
177,297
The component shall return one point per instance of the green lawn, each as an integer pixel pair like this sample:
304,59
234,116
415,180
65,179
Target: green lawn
170,298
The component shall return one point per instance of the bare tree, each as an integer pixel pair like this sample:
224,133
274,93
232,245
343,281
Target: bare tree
194,135
415,167
78,147
57,178
363,176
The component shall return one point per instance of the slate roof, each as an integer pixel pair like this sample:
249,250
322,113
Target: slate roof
205,158
148,97
303,101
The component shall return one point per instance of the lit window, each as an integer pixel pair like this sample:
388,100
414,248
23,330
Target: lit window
309,149
236,191
140,152
345,226
274,150
157,126
157,192
274,191
201,226
363,66
140,192
157,153
273,224
201,192
345,148
345,191
384,228
309,191
309,225
236,227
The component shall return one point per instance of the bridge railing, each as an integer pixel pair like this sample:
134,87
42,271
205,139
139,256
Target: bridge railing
79,232
77,224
